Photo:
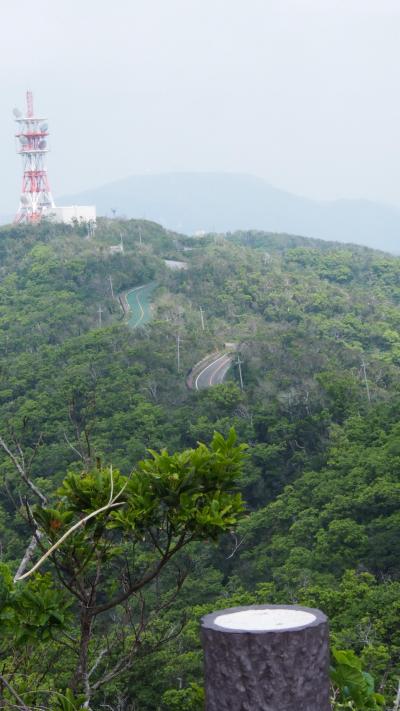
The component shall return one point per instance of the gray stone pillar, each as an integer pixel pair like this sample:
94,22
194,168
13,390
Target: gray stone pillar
266,658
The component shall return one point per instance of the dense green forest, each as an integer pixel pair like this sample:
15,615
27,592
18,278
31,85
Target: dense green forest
301,505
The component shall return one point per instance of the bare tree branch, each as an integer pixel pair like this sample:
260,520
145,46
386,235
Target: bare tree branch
74,449
19,463
13,693
237,545
147,578
396,706
23,470
28,555
97,661
112,503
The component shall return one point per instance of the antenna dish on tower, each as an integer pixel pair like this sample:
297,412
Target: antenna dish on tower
36,198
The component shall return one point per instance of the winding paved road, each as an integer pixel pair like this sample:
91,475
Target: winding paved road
138,300
214,373
136,303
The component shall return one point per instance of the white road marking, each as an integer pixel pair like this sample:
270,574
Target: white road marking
196,385
136,289
218,369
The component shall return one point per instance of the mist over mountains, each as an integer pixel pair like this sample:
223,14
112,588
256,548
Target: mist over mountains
221,202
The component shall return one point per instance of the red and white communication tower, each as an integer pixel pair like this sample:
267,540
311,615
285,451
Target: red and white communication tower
36,198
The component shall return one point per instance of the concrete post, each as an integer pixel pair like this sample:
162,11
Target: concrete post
266,658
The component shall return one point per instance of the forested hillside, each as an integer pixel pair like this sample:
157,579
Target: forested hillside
317,328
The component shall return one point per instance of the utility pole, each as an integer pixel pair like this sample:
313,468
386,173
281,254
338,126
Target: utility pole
140,235
121,243
111,286
99,311
178,351
239,364
364,368
202,318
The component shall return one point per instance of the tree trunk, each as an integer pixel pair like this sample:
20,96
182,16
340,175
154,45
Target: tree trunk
266,658
80,681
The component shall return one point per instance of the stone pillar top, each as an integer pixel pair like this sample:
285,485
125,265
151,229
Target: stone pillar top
263,618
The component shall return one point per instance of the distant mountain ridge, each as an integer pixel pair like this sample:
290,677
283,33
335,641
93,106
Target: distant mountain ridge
223,202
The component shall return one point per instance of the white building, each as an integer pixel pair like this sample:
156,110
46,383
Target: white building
72,213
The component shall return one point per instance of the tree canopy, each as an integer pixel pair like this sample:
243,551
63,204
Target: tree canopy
91,411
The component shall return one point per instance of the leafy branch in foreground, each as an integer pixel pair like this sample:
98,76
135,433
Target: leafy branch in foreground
116,565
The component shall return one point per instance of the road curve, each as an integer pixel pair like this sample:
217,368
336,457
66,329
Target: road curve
213,373
137,301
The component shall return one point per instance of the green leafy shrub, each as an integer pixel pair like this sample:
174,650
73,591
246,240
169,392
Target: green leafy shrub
189,699
353,687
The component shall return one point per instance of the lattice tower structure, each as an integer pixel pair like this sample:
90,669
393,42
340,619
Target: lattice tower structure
36,198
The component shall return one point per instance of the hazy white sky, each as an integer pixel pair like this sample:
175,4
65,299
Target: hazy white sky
304,93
